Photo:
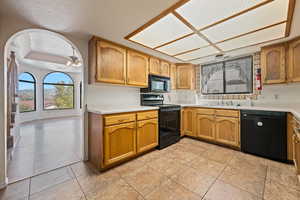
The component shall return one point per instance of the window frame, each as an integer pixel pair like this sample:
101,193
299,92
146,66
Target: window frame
65,84
34,90
224,77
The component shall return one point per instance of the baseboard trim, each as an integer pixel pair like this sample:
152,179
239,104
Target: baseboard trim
3,185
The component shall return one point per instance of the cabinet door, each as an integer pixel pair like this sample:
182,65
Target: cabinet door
165,69
188,117
111,63
185,77
147,135
205,126
119,142
290,132
137,69
294,61
296,153
173,76
227,131
273,64
154,65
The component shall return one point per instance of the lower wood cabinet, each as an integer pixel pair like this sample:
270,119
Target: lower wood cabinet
119,142
147,135
205,126
227,131
116,138
187,121
215,125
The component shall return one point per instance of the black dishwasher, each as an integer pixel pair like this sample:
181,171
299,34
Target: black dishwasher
263,133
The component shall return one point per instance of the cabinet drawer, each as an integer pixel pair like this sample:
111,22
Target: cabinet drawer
227,113
147,115
205,111
118,119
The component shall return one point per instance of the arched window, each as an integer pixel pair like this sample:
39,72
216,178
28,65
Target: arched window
27,97
58,91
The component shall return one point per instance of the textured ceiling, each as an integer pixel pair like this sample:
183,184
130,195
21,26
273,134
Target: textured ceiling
110,19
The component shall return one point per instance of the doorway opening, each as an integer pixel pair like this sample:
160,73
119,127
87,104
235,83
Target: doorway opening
45,117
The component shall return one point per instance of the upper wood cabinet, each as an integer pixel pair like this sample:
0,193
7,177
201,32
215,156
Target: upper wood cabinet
159,67
154,66
273,64
147,135
164,68
173,71
227,131
110,63
205,126
188,116
185,76
294,60
137,69
119,142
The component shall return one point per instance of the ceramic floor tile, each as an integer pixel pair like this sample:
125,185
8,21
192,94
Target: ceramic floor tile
167,166
249,167
67,190
16,191
251,158
83,169
195,149
145,180
151,156
277,191
182,156
284,176
193,180
248,182
222,155
41,149
222,191
210,167
170,190
50,179
129,167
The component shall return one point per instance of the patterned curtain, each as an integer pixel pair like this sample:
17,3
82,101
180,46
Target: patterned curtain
12,88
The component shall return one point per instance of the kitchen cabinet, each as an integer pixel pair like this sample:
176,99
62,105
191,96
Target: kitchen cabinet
159,67
173,71
227,131
109,62
119,142
205,126
294,60
165,69
273,64
290,132
154,66
296,155
188,117
137,69
185,76
115,138
147,135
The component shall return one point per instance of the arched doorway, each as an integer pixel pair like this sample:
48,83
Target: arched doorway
40,53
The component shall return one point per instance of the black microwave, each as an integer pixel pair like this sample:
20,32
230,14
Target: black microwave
157,84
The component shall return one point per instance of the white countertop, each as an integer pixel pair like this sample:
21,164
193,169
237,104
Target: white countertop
295,110
103,110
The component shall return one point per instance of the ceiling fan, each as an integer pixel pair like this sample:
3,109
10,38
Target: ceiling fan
74,61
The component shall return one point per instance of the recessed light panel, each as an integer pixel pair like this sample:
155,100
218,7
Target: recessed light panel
165,30
201,13
185,44
206,51
263,16
265,35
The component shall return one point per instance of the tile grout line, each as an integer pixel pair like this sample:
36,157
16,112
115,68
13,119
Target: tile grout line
78,182
29,192
265,182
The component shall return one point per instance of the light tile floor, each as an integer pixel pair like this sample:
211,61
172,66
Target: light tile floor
46,145
188,170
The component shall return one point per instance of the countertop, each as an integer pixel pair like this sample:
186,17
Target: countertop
103,110
295,110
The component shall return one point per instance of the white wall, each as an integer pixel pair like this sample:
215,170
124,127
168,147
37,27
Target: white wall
40,113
